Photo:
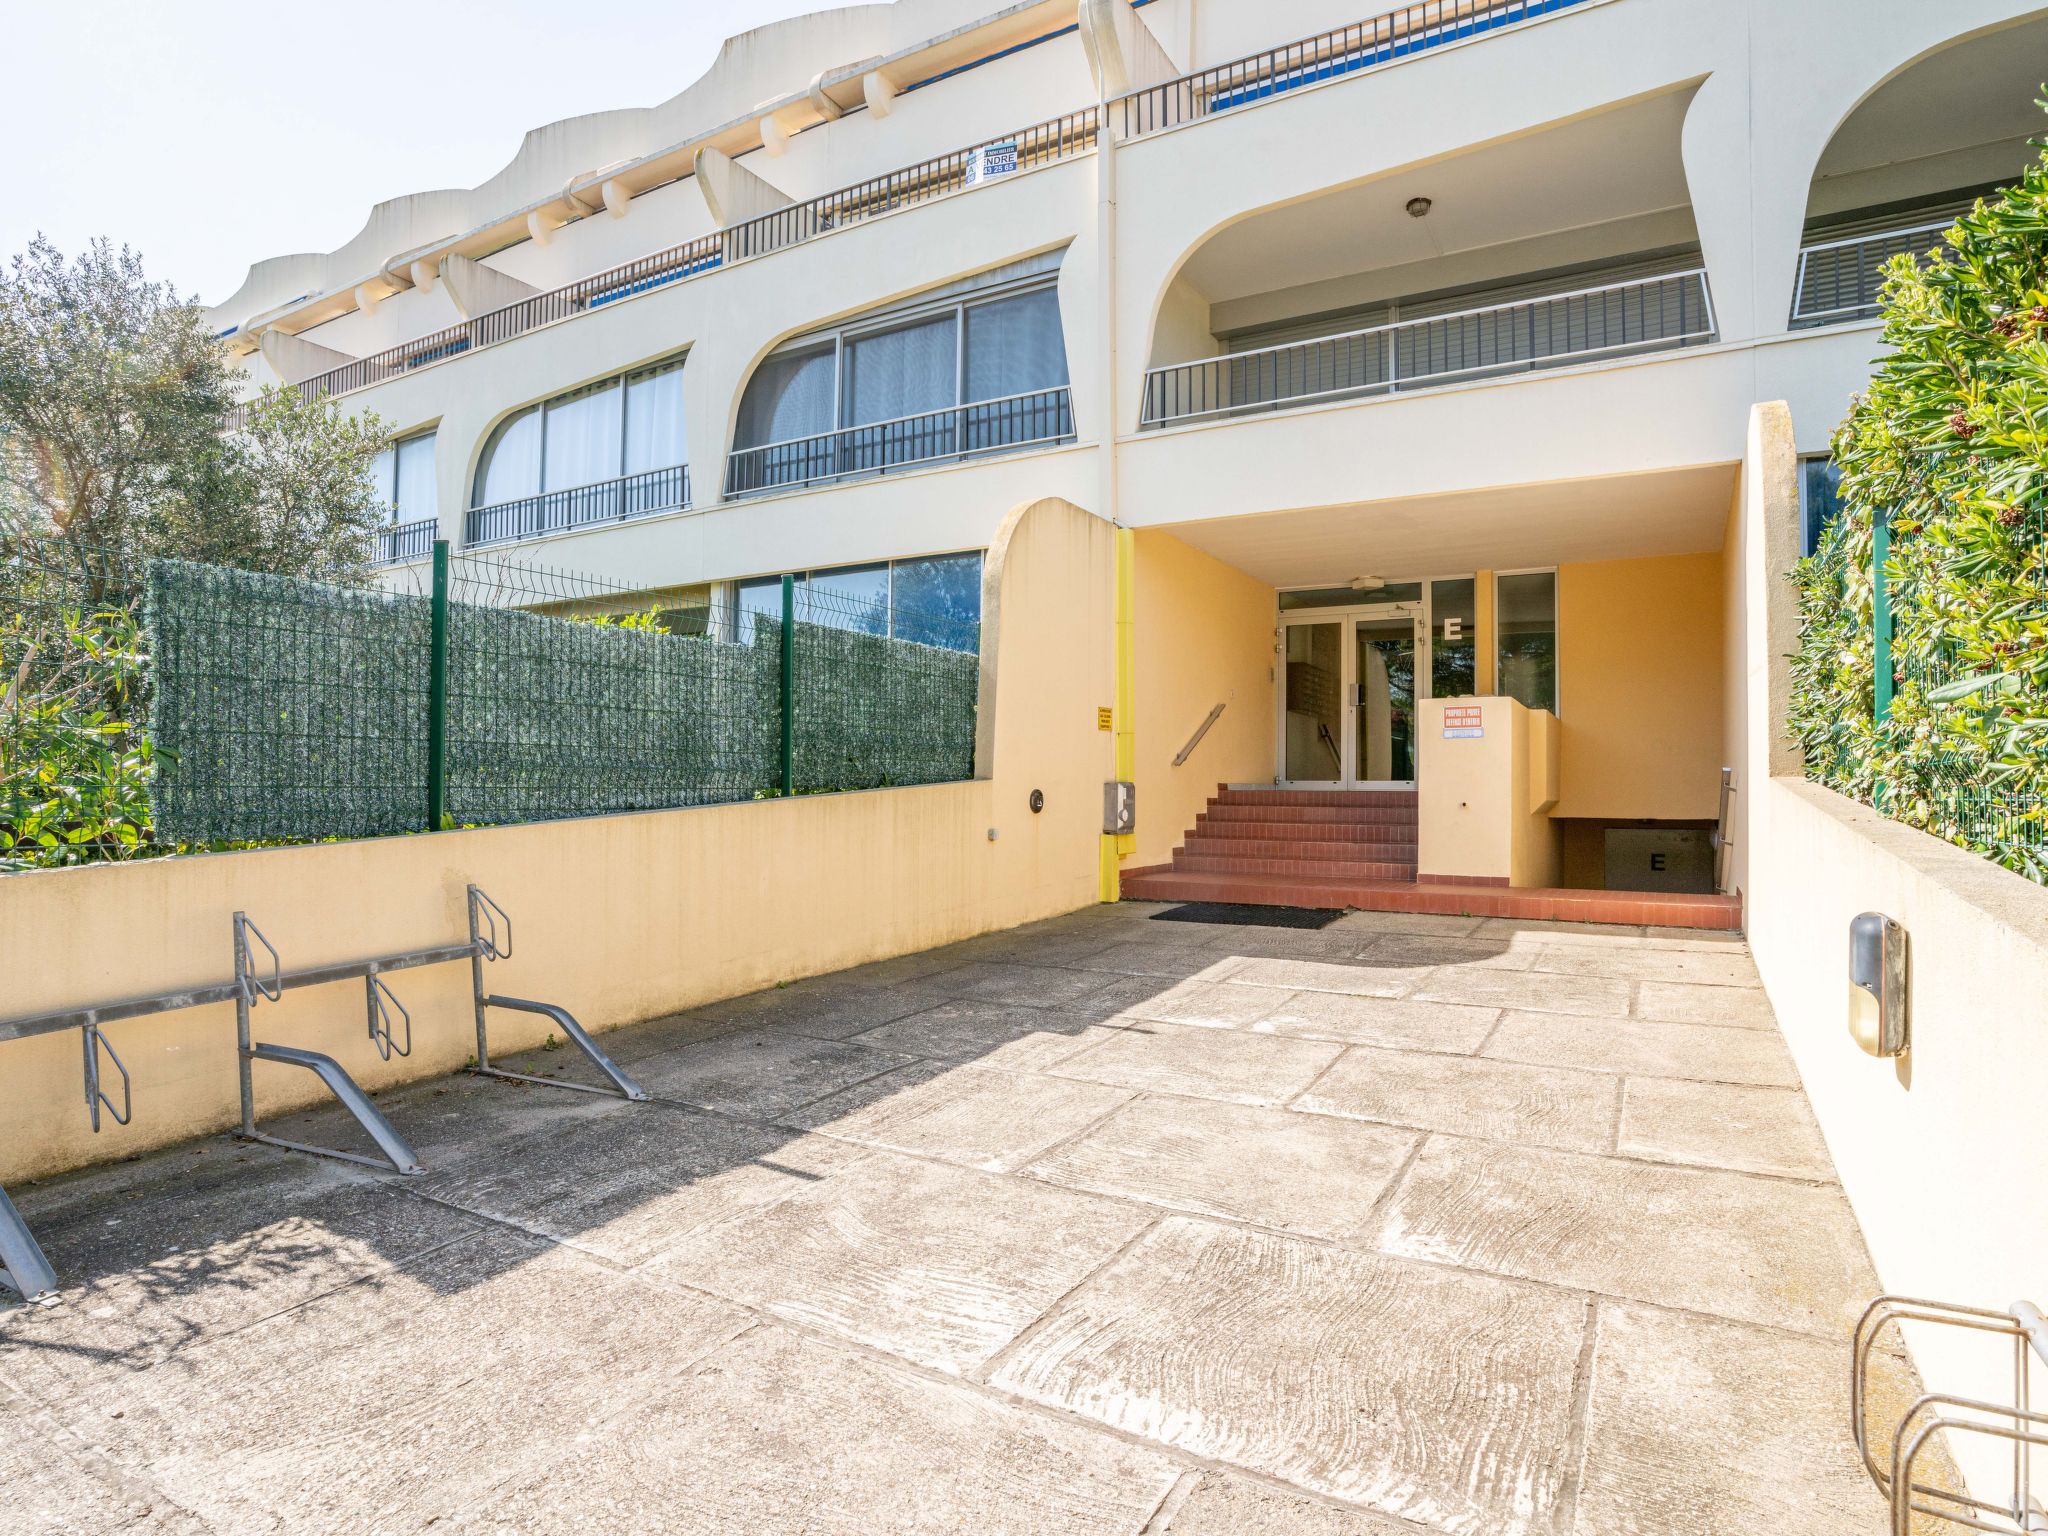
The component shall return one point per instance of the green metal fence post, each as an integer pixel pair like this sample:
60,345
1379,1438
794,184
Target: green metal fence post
789,685
437,695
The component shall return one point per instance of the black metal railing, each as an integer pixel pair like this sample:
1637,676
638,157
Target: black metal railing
407,541
1839,280
608,501
957,432
1551,331
1260,76
1061,138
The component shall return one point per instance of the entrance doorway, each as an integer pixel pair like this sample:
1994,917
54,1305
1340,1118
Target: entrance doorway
1347,709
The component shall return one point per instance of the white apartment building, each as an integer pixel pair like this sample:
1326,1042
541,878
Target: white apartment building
1413,359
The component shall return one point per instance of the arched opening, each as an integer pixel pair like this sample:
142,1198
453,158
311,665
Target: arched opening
1918,151
1571,244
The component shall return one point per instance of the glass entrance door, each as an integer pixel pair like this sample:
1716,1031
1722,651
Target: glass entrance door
1347,706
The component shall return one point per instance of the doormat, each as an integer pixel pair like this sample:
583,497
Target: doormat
1250,916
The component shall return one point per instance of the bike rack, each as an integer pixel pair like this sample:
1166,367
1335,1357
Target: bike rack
1936,1413
262,978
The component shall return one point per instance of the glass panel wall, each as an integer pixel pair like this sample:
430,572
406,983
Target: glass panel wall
403,475
933,600
1525,624
1820,491
1454,638
631,425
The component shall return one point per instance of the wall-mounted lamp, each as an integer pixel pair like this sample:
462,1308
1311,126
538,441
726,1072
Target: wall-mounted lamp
1877,984
1419,207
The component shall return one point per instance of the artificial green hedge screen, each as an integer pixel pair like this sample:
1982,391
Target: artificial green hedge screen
290,709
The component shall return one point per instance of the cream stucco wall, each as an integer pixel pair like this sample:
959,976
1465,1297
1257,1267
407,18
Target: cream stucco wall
1639,666
618,918
1484,802
1203,637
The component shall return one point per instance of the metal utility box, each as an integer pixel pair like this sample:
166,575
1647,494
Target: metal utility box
1660,859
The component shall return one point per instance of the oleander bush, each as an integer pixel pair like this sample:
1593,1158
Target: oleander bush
1950,445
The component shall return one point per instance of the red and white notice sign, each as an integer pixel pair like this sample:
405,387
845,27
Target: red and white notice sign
1463,721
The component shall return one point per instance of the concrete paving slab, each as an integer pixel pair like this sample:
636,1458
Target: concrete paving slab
1334,943
824,1007
1366,924
1717,1429
938,1265
1531,932
778,1434
1036,986
1221,1505
156,1255
1686,966
760,1072
1642,1048
1440,1397
990,1120
1005,1035
1720,1125
393,1406
1470,1096
1734,1245
1301,1173
1684,1003
1144,957
1205,1063
1527,990
1210,1004
1382,1021
626,1184
54,1486
1353,978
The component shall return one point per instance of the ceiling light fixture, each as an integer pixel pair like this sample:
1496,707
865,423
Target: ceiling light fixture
1418,206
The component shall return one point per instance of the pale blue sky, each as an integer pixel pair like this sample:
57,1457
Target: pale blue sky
211,133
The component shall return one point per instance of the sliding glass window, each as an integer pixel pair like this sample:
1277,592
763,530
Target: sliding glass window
596,454
403,475
933,599
966,375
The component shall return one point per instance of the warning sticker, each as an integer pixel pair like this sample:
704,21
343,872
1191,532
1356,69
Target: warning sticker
1463,722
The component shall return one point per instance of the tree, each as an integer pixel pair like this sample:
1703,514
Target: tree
118,438
1949,447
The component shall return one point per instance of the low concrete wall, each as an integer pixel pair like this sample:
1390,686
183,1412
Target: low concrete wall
617,918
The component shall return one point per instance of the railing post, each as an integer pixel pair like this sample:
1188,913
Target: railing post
789,685
437,695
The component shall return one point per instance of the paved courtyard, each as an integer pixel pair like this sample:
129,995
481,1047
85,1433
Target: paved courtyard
1103,1225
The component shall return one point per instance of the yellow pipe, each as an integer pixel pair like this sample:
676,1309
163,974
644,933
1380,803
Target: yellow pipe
1116,849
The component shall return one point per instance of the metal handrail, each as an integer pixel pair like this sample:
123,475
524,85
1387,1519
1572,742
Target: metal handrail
1865,275
1258,76
407,541
580,506
1056,139
1207,387
954,432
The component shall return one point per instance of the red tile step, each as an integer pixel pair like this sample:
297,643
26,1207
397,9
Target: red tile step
1313,815
1394,847
1658,909
1346,832
1304,869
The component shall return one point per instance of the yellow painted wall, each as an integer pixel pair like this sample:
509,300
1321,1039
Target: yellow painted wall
1204,637
1483,804
618,918
1639,676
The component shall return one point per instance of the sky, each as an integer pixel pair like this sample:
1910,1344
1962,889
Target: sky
209,134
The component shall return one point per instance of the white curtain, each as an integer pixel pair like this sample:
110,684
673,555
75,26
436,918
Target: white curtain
510,470
789,396
583,439
1015,347
654,422
380,480
414,496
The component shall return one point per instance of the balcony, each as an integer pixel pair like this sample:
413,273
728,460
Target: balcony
1839,280
1552,331
1038,419
583,506
1047,143
406,541
1261,76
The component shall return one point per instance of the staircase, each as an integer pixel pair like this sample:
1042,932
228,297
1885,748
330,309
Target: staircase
1356,848
1291,847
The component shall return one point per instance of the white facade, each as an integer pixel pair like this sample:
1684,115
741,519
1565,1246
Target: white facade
1554,148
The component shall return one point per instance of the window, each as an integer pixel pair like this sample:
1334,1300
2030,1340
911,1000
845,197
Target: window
986,369
1820,487
625,426
403,475
933,600
1525,625
1454,638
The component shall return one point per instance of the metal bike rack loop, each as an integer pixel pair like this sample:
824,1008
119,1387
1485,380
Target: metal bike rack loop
1932,1414
259,978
